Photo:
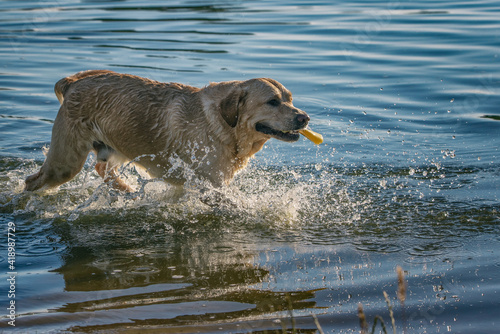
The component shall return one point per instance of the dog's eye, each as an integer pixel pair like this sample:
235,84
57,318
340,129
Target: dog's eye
274,102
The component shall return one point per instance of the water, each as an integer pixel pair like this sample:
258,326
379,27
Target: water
406,96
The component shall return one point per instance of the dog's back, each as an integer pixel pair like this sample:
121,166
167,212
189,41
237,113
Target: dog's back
63,85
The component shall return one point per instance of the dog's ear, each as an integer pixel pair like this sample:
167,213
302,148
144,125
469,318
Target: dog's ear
230,106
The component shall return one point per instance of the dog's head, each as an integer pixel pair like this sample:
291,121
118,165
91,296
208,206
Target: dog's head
262,109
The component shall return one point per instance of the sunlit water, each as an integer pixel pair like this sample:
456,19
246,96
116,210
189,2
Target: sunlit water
407,98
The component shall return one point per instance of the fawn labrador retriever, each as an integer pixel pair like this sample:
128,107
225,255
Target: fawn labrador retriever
163,127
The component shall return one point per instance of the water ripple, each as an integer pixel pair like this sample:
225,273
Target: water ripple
406,96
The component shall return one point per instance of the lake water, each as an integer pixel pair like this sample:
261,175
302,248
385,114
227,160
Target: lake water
407,97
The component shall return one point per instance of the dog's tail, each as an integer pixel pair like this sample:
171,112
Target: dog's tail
63,85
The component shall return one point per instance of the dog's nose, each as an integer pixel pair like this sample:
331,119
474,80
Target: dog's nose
303,118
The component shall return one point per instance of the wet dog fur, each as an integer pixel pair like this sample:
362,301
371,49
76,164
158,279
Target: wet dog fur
215,130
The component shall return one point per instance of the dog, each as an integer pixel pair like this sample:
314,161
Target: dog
163,127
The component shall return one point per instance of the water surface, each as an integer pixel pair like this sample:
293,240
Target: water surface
406,96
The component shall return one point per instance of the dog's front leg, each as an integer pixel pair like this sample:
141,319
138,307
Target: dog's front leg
110,176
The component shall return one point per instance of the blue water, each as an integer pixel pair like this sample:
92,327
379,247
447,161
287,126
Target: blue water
406,95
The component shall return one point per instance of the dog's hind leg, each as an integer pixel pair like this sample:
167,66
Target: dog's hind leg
66,157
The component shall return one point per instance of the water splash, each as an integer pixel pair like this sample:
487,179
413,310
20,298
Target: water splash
320,203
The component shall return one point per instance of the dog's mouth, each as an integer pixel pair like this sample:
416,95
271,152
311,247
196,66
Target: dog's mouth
288,136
